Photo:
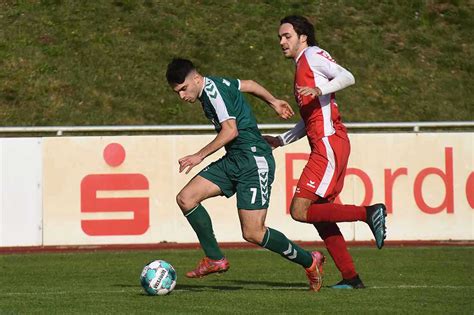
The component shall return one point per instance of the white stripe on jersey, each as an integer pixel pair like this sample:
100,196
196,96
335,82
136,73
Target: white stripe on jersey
329,172
327,115
262,166
216,100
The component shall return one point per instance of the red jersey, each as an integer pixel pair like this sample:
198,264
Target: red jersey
315,68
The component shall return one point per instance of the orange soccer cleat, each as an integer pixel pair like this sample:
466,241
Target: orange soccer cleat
207,266
315,271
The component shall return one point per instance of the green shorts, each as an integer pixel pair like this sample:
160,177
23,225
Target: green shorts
247,175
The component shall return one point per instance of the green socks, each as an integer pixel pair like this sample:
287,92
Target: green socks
273,240
202,225
277,242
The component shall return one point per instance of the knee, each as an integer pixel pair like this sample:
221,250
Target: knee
298,214
184,201
299,209
253,236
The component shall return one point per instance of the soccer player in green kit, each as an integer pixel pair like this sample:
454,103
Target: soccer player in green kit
247,169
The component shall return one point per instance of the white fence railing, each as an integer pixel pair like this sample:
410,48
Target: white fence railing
59,130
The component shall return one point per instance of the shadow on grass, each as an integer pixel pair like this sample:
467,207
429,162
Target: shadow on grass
128,285
190,287
233,285
205,287
272,284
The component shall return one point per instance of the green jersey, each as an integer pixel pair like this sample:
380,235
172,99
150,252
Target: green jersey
221,100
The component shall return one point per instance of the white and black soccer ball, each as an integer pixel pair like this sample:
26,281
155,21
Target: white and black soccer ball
158,278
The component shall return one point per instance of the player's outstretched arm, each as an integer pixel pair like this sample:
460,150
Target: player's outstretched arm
281,107
228,133
274,142
296,133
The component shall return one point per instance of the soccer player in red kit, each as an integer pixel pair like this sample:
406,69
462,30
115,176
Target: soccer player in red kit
317,78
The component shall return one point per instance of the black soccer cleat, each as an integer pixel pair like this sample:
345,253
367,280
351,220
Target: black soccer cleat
376,220
353,283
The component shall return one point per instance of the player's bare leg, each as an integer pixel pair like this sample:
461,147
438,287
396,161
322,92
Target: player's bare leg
252,224
195,191
299,208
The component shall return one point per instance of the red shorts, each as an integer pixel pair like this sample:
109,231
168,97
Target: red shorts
323,175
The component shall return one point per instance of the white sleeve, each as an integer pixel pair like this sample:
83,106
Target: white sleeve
342,80
217,101
297,132
337,76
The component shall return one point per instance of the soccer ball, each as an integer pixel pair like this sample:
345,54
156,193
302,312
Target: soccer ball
158,278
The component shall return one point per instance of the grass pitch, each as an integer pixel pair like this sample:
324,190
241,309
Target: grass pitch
399,280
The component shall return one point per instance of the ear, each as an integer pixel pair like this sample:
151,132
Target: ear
196,77
303,38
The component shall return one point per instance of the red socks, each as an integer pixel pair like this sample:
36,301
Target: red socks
337,248
331,212
324,216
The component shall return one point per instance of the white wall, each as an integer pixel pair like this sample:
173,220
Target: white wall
121,190
20,192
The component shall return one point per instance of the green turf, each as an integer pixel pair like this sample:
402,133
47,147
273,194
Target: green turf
429,280
70,62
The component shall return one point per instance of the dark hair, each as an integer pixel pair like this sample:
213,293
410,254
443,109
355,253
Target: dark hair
302,27
178,70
